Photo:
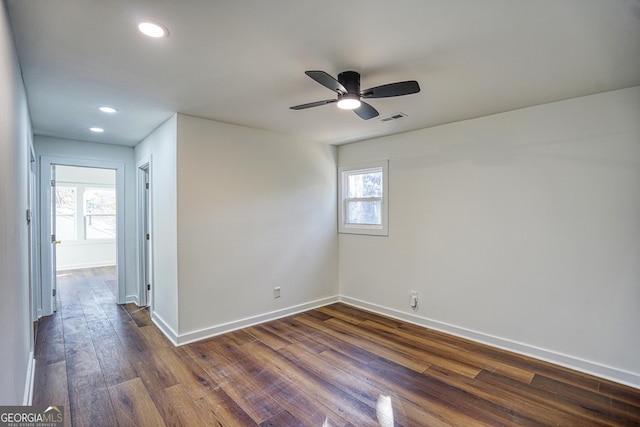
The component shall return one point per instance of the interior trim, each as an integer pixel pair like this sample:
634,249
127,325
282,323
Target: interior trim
29,384
212,331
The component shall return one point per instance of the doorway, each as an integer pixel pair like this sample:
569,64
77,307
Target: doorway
87,219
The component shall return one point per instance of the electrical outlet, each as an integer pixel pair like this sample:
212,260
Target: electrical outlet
413,300
276,292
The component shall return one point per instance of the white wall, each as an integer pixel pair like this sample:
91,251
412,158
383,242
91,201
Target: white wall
71,256
16,333
159,151
91,154
256,210
520,229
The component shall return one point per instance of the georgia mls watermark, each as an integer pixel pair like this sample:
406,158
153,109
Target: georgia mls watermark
31,416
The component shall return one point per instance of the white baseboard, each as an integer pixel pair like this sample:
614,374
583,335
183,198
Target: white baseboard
78,266
132,298
30,381
250,321
617,375
165,328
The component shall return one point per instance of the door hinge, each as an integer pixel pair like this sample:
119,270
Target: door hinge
146,185
54,292
53,238
53,182
149,287
147,236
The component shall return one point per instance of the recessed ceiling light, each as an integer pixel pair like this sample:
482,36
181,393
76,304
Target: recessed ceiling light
106,109
152,29
96,130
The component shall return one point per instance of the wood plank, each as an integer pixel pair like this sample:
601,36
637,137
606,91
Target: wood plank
148,365
114,360
282,419
303,407
155,337
515,362
350,335
222,410
619,392
323,391
81,360
133,405
268,337
140,315
90,402
585,403
178,409
236,378
51,387
339,372
414,404
323,342
447,357
49,347
401,354
510,398
195,381
286,394
287,328
356,316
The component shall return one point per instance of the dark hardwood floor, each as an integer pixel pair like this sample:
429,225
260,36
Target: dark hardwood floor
333,366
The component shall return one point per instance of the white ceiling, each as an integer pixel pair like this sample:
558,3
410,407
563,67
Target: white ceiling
243,61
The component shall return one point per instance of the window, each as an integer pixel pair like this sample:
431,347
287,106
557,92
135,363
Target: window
100,213
85,213
363,199
66,225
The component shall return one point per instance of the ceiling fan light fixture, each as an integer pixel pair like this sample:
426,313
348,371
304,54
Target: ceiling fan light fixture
349,101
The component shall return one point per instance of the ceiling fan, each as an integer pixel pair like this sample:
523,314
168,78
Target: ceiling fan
350,96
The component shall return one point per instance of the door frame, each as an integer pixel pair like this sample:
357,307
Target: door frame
33,222
145,246
47,284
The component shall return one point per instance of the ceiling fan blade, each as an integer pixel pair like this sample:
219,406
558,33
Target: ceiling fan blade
327,81
313,104
366,111
392,89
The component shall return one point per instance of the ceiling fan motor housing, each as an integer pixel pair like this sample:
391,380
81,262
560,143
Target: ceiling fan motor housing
351,81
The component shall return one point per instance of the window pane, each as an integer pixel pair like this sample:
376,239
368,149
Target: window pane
99,201
100,226
100,213
364,212
66,213
368,184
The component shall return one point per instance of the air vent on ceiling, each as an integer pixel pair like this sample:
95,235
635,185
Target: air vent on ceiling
395,116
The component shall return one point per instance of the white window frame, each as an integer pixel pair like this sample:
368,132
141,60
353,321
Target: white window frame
368,229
